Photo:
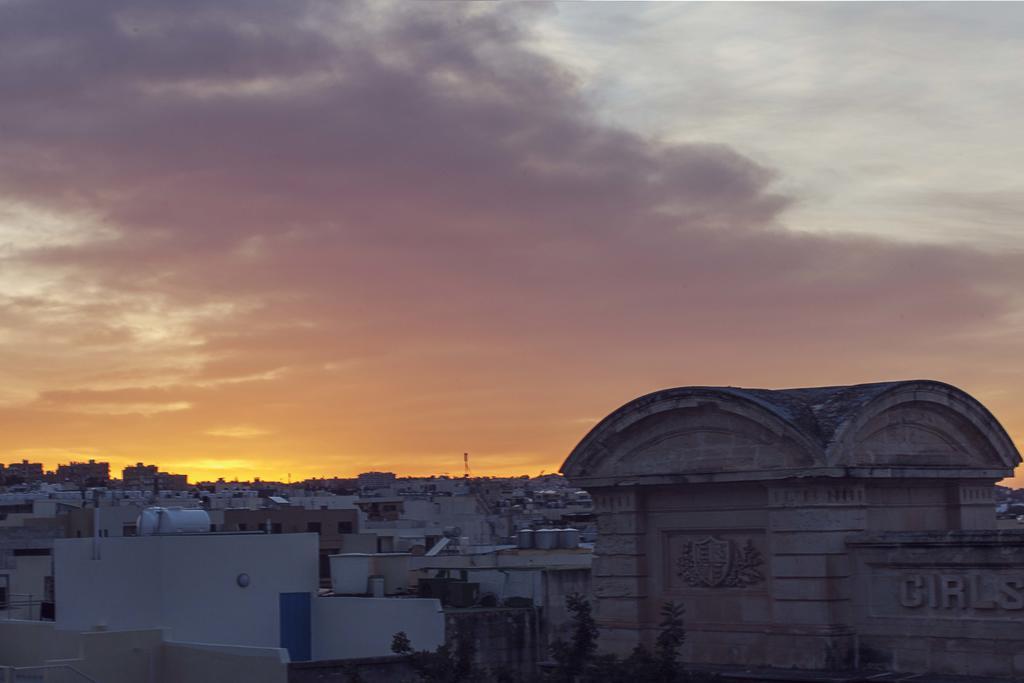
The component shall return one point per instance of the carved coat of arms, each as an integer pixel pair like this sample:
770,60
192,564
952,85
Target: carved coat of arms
712,562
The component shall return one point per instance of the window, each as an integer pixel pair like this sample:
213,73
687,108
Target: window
275,528
344,527
313,527
4,580
242,526
129,530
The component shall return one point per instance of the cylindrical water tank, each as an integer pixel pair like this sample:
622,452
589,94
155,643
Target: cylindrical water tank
376,586
148,521
525,539
569,538
157,520
546,539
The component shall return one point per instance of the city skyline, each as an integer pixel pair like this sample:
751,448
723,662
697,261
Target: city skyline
308,238
46,473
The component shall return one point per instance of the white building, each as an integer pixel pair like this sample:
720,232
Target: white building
208,588
375,480
205,607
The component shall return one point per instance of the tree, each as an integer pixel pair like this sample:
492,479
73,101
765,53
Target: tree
401,645
671,636
579,662
446,664
571,658
576,661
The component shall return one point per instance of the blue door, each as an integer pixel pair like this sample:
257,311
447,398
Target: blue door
295,629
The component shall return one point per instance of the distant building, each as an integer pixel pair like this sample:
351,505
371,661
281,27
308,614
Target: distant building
139,476
25,470
172,482
334,484
376,480
147,477
381,509
84,473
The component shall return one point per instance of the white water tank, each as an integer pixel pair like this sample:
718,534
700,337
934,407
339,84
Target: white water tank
568,538
525,539
157,520
545,539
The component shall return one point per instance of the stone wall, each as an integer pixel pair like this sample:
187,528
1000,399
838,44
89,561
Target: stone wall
504,638
948,603
788,591
777,597
555,618
363,670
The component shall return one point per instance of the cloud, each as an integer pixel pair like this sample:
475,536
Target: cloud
414,197
238,432
868,108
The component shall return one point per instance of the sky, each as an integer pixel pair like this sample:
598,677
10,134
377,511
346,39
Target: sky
313,238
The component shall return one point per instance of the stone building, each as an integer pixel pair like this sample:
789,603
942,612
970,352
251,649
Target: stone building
142,477
375,480
139,477
90,473
165,481
25,471
833,528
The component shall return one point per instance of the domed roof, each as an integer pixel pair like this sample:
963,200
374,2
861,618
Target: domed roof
879,429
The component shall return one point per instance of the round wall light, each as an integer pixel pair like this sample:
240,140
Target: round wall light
242,580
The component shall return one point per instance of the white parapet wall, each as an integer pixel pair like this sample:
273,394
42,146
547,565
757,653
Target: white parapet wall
202,663
134,656
30,643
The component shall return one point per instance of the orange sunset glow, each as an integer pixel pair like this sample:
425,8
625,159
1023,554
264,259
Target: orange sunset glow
315,239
